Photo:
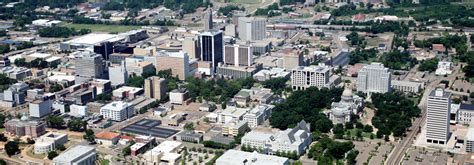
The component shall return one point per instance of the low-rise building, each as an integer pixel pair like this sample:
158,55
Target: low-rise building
83,155
311,76
173,120
465,114
190,136
78,110
49,142
127,92
258,115
117,111
267,74
444,68
295,139
25,128
470,140
235,157
178,96
407,86
231,113
234,128
107,138
166,153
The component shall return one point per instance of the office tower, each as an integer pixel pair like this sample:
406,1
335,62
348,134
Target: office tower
238,55
251,28
208,20
178,62
311,76
191,46
437,120
212,47
373,78
155,87
118,74
88,66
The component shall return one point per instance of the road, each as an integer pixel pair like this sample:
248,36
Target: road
399,151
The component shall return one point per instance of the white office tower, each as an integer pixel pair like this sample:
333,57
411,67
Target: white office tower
310,76
118,74
251,28
437,120
373,78
89,65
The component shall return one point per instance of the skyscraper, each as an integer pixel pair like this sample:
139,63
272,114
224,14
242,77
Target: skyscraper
373,78
212,47
89,65
155,87
208,20
437,120
251,28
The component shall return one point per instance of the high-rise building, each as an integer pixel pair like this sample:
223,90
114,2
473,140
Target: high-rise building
191,46
311,76
118,74
208,20
178,62
437,120
251,28
155,87
374,78
88,66
212,47
238,55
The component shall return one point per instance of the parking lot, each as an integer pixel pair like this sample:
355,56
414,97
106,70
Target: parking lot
372,152
424,156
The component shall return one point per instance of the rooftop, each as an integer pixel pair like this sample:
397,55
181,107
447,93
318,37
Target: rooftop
73,153
117,105
92,38
467,107
106,135
254,158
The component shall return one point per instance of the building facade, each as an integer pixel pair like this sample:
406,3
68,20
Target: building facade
295,139
88,66
25,128
117,111
238,55
251,28
374,78
212,48
155,87
465,114
438,113
312,76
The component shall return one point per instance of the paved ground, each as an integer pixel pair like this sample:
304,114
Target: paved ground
372,152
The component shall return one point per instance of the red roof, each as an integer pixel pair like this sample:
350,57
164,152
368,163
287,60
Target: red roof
106,135
359,17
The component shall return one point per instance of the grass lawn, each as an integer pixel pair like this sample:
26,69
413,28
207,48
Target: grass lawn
246,1
105,162
364,134
103,28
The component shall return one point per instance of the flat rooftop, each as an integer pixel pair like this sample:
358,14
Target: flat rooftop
149,127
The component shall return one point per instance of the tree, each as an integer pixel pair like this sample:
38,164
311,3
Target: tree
368,128
189,126
20,62
349,125
429,65
3,138
77,125
55,121
12,148
89,135
359,134
359,125
338,131
3,162
61,147
52,154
